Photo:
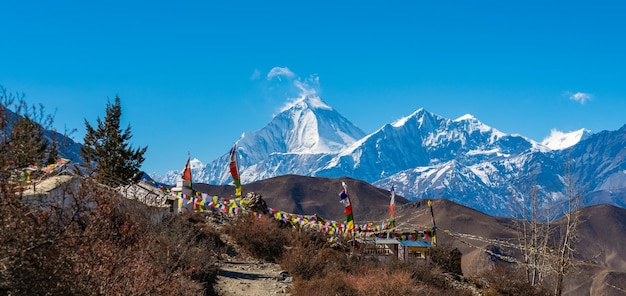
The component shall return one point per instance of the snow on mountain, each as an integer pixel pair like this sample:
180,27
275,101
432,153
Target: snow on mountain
432,140
489,185
558,140
427,156
312,127
197,168
294,142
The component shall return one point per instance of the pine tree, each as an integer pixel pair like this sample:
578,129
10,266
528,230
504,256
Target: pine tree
22,141
27,143
106,151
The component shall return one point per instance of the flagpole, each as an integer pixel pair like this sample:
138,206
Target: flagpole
392,208
432,216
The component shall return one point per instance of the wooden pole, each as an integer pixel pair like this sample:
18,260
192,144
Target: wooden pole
432,216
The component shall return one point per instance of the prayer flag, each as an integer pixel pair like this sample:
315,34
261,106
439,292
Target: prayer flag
187,170
392,203
234,171
345,199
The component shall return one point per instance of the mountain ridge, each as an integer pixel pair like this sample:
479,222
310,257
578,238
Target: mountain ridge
424,155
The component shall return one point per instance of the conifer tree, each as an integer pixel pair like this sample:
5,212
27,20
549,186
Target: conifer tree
27,142
22,141
107,152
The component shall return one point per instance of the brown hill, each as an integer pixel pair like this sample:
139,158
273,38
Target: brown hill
602,236
452,218
315,195
600,252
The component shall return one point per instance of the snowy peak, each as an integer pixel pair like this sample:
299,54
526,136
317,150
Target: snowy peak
293,142
309,126
473,124
468,117
423,118
558,140
196,164
306,102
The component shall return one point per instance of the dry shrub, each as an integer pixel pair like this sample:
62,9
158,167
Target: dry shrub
96,243
260,236
328,285
29,255
429,274
306,262
188,250
504,279
374,281
365,281
447,258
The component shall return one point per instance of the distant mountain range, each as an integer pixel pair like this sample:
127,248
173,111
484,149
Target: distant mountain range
425,155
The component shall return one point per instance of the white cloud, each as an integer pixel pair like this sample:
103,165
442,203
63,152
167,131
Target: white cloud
294,88
580,97
306,89
280,71
309,87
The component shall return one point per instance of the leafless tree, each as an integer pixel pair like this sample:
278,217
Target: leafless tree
567,236
533,224
547,244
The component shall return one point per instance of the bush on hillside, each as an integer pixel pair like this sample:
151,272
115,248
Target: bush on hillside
327,285
377,281
503,279
260,236
306,262
99,243
448,259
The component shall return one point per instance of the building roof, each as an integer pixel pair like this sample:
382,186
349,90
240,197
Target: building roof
386,241
423,244
379,241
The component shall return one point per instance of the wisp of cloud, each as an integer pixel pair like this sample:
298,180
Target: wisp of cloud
580,97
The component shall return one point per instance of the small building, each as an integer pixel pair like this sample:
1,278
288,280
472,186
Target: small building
412,250
381,248
388,249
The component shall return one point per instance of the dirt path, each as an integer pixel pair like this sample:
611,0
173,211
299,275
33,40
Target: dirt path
251,278
243,275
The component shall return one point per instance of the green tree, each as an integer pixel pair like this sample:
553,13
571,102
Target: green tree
27,143
106,150
22,141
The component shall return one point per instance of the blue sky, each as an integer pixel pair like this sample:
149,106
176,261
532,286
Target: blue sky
192,75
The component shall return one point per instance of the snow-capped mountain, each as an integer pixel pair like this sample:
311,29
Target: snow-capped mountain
426,155
296,141
197,167
558,140
419,140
